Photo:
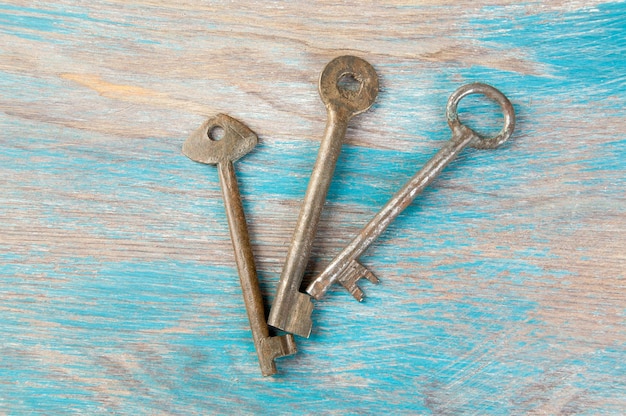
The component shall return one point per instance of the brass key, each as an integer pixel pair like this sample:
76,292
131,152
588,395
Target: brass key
237,141
291,310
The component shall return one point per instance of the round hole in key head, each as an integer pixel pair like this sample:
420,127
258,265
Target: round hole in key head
348,84
480,142
216,133
481,114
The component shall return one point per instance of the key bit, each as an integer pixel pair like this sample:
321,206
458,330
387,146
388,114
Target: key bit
291,310
351,275
342,268
238,140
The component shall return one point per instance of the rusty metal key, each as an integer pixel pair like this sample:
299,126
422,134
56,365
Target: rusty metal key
291,310
345,267
237,140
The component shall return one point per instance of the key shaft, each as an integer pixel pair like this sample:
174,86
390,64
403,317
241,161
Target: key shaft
291,310
342,266
268,348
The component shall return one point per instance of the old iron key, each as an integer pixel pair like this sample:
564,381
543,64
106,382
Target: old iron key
291,310
238,140
344,267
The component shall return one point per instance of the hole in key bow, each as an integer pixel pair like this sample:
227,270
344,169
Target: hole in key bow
481,114
216,133
349,82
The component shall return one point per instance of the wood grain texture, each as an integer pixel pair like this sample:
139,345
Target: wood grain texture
502,288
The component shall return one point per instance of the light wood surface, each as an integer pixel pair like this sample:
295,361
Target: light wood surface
502,286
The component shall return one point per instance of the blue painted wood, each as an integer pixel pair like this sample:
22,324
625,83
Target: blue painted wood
502,286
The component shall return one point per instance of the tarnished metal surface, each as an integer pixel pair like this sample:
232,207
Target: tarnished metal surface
345,268
238,140
291,310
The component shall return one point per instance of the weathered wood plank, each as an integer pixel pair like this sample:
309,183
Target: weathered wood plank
502,286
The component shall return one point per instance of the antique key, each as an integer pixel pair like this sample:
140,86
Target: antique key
345,268
291,310
238,140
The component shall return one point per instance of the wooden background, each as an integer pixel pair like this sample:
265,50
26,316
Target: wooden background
502,287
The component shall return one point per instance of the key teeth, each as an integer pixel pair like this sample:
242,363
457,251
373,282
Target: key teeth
299,321
281,346
370,276
275,347
351,276
288,345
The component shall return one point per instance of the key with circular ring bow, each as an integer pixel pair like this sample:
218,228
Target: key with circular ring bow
345,268
238,140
